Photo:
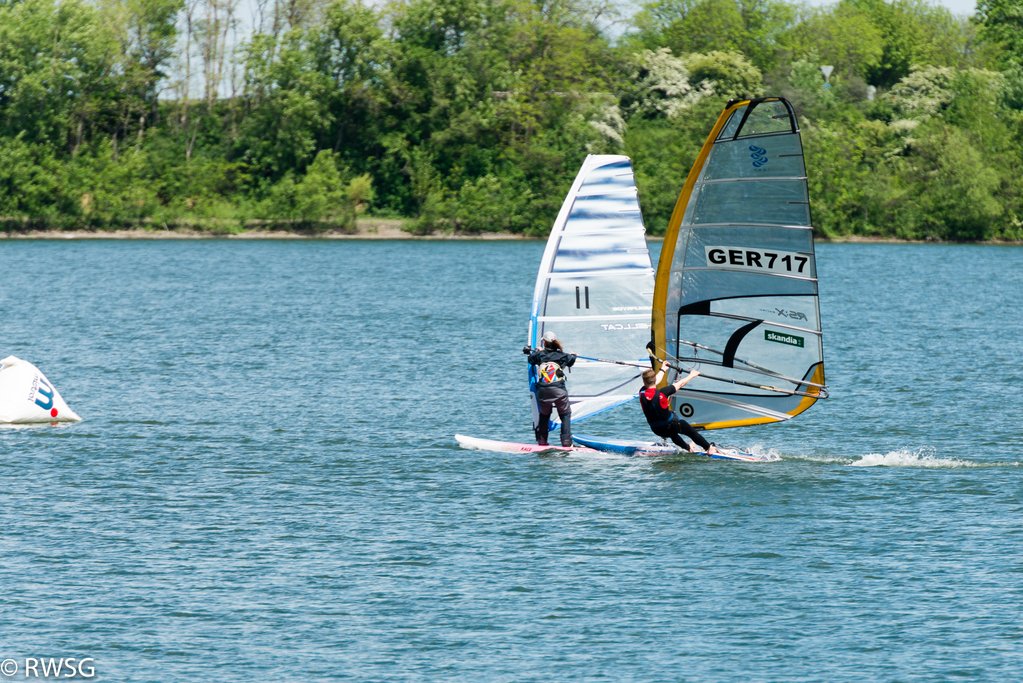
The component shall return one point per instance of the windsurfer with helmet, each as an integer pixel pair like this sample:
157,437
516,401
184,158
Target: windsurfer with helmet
551,360
656,405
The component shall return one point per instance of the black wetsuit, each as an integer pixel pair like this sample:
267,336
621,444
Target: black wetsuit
553,396
657,408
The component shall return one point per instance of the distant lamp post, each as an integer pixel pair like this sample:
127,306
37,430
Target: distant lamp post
826,70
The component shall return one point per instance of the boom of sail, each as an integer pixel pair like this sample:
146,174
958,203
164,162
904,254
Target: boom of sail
736,289
595,287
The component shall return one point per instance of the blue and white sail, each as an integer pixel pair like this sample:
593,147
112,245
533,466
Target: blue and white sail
595,287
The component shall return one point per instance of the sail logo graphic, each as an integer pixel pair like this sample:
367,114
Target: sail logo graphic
759,156
628,326
781,312
48,393
790,339
41,390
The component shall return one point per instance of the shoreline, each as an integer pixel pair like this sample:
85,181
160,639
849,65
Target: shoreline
384,229
252,235
866,239
366,229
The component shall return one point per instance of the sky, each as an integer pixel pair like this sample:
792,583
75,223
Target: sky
960,6
629,7
964,7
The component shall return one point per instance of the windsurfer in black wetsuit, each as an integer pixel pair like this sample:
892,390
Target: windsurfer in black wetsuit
551,361
657,408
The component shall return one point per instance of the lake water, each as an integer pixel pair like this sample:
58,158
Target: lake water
266,484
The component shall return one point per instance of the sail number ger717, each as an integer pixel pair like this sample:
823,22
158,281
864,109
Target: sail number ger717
759,260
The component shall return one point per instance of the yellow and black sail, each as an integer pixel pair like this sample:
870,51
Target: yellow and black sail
736,287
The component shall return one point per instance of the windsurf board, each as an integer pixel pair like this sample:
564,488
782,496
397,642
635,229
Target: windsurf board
657,449
511,447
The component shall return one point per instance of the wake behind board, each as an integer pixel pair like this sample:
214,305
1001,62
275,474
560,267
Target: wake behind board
511,447
651,449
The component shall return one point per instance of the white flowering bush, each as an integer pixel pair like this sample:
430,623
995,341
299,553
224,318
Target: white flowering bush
727,74
924,92
606,118
927,91
662,85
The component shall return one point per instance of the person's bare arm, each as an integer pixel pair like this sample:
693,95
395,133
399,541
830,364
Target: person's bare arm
660,373
682,381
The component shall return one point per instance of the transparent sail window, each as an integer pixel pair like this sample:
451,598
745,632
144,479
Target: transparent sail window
701,412
766,118
608,339
733,124
765,348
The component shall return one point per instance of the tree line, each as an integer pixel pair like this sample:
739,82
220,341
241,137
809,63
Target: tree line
473,116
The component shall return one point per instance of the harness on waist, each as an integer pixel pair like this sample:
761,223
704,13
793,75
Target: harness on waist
662,423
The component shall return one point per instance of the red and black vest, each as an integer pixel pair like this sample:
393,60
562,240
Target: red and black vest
657,405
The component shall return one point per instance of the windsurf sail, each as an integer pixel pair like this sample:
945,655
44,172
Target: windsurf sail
595,287
736,288
26,396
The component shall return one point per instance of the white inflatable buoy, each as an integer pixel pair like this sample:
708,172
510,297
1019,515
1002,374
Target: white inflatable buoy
27,396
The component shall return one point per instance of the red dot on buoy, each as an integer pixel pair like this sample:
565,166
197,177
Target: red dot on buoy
53,412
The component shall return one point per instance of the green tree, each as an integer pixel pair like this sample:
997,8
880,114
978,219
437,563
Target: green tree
114,193
956,187
288,110
913,32
146,34
840,35
662,151
1001,23
57,71
661,86
348,48
751,27
730,73
33,185
319,200
807,90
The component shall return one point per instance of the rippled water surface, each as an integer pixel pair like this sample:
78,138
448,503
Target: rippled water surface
266,484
